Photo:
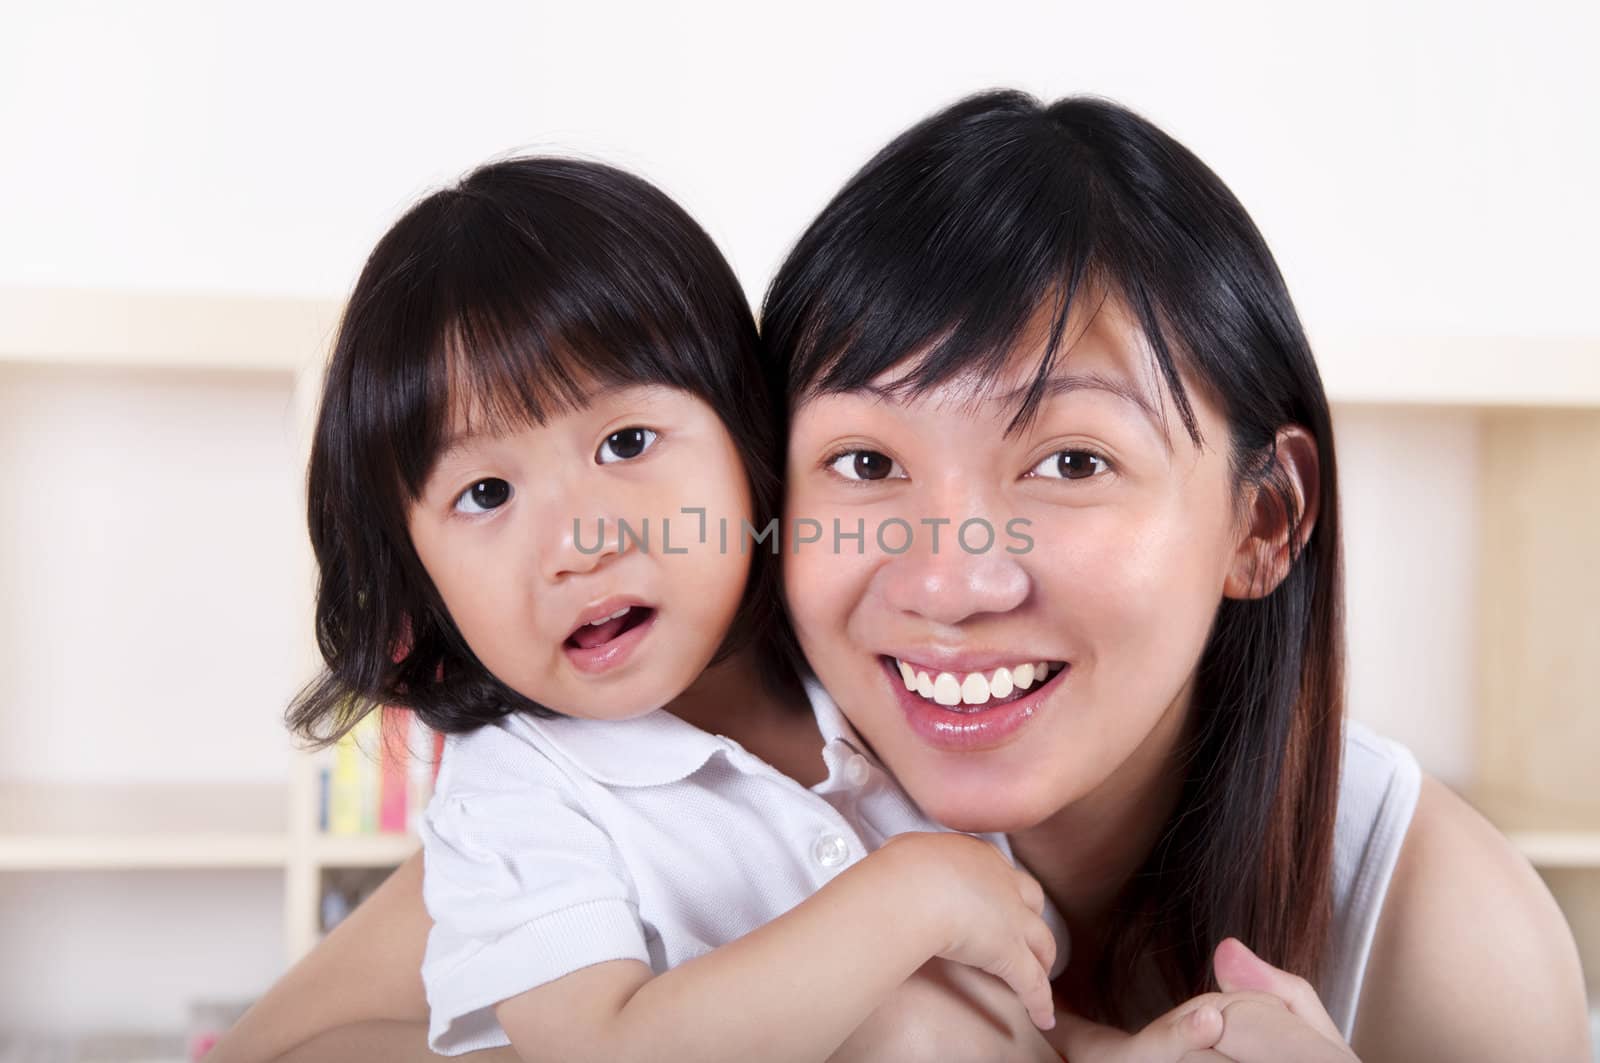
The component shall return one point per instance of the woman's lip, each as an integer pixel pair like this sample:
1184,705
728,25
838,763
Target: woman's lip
969,728
971,662
613,654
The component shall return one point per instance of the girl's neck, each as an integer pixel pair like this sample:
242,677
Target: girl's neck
1085,854
734,698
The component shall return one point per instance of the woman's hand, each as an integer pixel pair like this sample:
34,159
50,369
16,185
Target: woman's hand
1297,1028
1262,1015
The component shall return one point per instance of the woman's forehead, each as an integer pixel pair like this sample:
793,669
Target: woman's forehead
1101,350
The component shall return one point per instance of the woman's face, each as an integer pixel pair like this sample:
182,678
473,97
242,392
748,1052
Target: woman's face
1113,538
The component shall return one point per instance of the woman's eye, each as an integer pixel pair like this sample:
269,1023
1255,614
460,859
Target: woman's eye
866,465
1071,465
483,496
625,445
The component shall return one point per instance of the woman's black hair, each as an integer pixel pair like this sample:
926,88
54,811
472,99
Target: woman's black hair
510,294
947,246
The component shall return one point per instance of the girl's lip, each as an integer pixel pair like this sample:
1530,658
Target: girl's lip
613,654
970,728
605,607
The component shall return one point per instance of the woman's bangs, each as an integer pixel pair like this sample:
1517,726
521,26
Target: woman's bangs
973,321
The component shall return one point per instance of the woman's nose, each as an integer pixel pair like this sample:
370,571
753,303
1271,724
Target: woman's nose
959,577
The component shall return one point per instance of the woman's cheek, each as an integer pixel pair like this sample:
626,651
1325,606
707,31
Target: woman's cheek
815,588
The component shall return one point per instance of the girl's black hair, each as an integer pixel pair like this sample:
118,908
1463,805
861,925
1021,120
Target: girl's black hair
948,245
509,295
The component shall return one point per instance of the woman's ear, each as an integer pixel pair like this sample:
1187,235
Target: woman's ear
1263,556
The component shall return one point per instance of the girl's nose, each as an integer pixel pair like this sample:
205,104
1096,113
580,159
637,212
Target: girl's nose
583,532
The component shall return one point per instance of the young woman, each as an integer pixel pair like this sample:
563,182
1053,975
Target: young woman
1051,400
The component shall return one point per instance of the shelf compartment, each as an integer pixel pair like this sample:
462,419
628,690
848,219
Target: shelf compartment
160,330
1486,372
209,826
1563,849
363,850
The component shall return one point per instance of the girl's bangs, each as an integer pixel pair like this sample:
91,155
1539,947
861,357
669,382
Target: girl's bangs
511,353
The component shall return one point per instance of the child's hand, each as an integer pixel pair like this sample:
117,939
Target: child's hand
987,913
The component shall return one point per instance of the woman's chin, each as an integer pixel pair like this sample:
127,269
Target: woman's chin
998,806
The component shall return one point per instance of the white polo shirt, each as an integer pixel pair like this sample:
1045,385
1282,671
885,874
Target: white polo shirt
552,845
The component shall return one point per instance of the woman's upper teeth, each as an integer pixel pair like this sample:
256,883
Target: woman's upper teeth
607,619
973,688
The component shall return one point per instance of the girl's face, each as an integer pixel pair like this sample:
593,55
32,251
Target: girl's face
1112,541
598,626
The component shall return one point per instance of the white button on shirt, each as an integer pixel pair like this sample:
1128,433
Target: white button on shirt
831,850
551,845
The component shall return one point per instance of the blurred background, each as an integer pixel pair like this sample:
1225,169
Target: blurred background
188,190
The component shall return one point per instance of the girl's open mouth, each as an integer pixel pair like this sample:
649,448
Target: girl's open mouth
606,641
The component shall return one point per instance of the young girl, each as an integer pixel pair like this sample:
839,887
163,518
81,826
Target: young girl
543,407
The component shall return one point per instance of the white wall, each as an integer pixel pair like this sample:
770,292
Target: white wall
1425,165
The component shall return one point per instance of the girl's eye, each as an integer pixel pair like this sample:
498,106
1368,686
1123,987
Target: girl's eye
625,445
1071,465
866,465
483,496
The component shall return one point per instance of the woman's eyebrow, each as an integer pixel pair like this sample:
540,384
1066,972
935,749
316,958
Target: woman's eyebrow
1062,384
1054,385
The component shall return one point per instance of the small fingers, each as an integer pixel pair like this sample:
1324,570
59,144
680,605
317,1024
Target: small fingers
1032,892
1200,1027
1188,1033
1042,944
1031,984
1257,1030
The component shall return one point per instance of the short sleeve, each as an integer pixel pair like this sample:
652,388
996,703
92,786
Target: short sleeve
523,887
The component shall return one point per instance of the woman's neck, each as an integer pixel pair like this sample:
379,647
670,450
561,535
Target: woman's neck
1085,854
734,698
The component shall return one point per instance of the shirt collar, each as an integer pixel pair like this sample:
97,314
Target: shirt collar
657,748
830,721
650,750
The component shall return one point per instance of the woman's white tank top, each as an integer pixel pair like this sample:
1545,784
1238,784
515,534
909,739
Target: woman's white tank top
1378,785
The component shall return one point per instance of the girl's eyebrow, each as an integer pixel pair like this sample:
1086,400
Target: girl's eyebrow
472,434
459,442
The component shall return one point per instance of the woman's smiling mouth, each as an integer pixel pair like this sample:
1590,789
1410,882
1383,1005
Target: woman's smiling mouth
964,690
962,711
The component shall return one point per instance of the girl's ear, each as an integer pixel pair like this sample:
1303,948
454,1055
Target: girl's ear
1291,488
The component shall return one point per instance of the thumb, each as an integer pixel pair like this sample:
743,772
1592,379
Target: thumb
1240,970
1186,1029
